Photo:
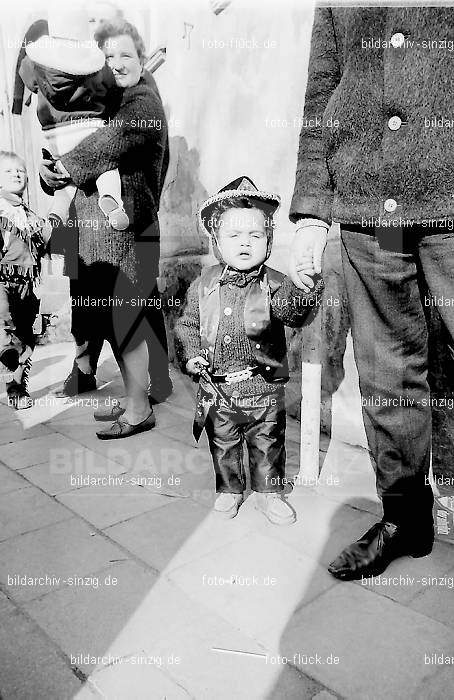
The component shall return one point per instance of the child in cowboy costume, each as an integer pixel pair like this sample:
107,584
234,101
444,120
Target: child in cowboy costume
232,333
23,240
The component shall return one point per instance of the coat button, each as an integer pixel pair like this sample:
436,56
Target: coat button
397,40
390,205
227,339
228,311
267,368
211,348
395,123
257,345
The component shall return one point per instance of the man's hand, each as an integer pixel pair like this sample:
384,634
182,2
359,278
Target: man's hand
53,179
306,255
193,365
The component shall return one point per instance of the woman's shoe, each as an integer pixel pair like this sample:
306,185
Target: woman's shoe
112,413
122,429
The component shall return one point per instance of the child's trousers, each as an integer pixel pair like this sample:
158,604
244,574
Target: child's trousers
261,425
17,315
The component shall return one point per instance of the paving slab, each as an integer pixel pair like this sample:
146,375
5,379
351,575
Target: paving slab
70,474
157,536
352,468
323,527
28,509
255,586
213,658
149,452
436,600
10,481
55,449
106,505
293,685
133,681
31,667
405,578
6,605
380,644
7,414
15,430
61,550
437,686
85,619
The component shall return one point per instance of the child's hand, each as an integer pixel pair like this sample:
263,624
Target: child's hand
196,364
306,267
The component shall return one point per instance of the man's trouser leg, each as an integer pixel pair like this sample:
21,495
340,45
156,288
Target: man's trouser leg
390,344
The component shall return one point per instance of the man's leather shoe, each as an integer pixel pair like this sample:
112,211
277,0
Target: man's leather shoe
122,429
76,382
377,548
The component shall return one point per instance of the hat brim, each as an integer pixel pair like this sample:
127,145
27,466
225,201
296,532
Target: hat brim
69,56
265,201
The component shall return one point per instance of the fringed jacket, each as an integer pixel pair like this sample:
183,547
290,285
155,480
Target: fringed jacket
23,240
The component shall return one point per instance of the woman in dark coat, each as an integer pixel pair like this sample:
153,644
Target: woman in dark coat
114,280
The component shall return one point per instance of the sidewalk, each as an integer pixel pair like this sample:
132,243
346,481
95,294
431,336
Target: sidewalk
137,570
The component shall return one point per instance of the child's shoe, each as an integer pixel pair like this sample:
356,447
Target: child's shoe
227,504
275,508
9,357
17,392
117,216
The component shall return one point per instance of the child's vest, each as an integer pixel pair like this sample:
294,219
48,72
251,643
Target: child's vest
267,335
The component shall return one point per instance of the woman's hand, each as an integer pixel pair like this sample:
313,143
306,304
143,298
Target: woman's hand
53,179
196,364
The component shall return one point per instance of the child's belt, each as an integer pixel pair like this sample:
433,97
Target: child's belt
235,377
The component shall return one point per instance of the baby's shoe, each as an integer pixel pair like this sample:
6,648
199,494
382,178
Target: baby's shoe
227,504
116,214
275,508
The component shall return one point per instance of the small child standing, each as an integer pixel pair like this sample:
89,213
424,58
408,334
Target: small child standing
233,328
23,240
76,92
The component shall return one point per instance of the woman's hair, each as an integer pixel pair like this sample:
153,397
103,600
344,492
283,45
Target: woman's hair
10,155
108,30
240,203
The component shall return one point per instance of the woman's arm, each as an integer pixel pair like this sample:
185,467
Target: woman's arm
140,120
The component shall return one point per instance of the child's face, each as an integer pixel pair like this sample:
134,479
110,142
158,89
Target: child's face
242,239
13,177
